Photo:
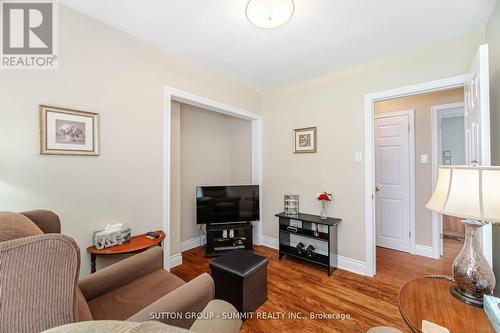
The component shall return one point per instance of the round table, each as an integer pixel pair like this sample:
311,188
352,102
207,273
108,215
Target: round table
136,244
430,299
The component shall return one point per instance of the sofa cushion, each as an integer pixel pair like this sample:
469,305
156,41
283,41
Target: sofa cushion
123,302
14,226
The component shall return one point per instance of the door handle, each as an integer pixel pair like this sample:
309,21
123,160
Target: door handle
377,188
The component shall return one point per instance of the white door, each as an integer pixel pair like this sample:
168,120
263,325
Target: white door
392,179
477,124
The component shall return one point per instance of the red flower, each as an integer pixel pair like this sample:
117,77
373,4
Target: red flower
324,196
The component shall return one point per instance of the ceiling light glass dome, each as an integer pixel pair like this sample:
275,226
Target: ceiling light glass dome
269,13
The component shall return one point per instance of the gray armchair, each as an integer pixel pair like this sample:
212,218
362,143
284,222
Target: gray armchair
39,286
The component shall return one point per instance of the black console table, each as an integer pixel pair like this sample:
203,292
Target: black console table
301,226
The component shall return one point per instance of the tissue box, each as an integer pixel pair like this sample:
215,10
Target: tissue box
492,309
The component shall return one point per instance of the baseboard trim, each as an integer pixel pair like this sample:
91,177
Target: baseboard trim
351,265
345,263
271,242
176,260
192,243
424,251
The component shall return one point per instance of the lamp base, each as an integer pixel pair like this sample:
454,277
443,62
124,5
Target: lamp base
467,299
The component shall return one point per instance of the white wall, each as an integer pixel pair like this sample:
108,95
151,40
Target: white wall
215,150
106,71
335,103
453,139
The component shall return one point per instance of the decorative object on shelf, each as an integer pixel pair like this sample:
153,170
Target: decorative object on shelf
113,234
68,132
269,14
310,251
300,248
291,203
305,140
324,198
472,193
315,230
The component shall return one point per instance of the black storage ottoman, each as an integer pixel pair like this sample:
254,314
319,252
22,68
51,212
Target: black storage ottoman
241,279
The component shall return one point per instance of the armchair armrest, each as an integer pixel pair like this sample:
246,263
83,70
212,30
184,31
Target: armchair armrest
221,317
121,273
189,298
46,220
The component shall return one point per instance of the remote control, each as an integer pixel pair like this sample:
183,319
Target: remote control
152,234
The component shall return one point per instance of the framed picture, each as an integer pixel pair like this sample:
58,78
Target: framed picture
305,140
68,132
447,153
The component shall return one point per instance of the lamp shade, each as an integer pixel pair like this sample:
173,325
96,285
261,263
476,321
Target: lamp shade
468,192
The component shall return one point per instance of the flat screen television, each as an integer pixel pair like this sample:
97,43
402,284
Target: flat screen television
227,204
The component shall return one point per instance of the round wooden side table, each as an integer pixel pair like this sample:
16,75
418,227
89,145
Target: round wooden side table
136,244
430,299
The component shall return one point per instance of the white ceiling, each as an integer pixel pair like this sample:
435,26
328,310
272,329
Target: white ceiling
322,36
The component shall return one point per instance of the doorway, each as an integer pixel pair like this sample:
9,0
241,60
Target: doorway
448,148
477,130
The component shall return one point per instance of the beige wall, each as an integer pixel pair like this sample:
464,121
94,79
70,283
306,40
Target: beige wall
334,103
107,71
423,145
215,150
493,40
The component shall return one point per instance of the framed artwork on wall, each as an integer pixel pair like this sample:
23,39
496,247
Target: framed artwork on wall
68,132
305,140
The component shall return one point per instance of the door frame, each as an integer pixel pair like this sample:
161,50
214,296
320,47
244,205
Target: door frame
369,144
411,150
437,219
173,94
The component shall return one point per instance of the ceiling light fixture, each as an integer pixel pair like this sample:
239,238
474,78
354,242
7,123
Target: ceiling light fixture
269,14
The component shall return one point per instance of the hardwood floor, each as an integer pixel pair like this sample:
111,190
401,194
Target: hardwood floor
297,287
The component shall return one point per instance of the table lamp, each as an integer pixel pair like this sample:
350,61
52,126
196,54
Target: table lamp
472,193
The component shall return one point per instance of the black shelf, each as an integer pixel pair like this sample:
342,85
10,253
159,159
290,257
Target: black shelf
331,221
323,236
217,244
305,230
318,259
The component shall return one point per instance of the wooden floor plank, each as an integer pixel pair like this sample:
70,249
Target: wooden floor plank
294,286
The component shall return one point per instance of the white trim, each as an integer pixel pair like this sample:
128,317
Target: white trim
411,121
347,264
270,242
369,174
172,94
175,260
425,251
192,243
440,112
351,265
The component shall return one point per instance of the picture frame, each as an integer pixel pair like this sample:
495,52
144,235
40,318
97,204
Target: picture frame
66,131
447,154
305,140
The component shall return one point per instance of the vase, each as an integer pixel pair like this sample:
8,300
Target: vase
323,213
473,275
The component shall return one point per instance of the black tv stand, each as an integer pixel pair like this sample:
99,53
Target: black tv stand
226,237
